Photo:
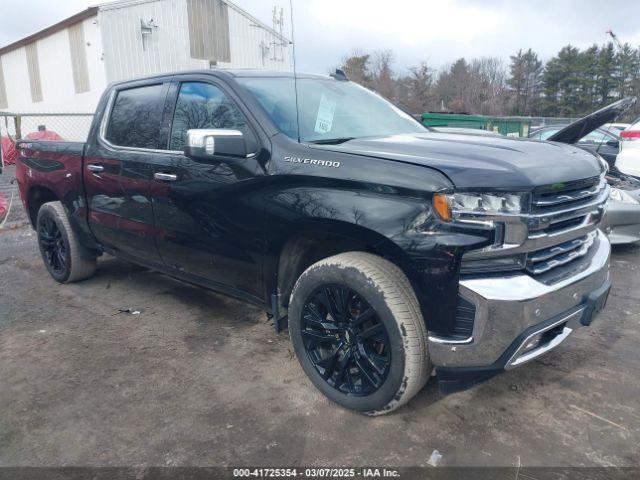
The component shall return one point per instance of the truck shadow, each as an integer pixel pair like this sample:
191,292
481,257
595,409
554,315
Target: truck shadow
168,296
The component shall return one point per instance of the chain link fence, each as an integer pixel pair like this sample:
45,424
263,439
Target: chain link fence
73,127
546,121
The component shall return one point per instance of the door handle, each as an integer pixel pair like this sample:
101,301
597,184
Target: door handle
95,168
167,177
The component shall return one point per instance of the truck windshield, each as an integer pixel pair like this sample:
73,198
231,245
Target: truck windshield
329,111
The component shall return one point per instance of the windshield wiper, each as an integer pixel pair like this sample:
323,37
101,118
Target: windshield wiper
332,141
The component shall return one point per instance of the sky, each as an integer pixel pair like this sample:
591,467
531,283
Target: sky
435,31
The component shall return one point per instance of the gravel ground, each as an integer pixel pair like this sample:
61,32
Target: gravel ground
199,379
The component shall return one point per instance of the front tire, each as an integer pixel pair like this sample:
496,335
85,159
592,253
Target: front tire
63,255
358,333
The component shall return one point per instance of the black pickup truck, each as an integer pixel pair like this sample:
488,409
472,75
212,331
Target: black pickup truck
390,251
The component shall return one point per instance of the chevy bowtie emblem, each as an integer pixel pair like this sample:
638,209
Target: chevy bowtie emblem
311,161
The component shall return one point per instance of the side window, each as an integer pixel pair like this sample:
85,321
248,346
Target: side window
202,105
547,133
136,116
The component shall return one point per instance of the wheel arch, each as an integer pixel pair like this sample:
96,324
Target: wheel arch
322,238
37,196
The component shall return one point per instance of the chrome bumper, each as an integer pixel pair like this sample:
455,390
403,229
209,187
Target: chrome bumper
507,307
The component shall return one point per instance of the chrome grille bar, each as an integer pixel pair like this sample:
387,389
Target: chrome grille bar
544,260
566,197
548,253
574,192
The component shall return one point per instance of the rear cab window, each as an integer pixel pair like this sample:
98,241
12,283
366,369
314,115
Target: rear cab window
136,116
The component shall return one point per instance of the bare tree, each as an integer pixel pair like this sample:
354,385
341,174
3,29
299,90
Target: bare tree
383,76
478,86
416,89
488,86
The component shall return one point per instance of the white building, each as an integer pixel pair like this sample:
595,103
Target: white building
66,67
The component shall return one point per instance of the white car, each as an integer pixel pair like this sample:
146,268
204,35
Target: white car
628,160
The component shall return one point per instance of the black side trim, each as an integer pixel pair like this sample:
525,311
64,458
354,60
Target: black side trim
596,301
465,316
452,380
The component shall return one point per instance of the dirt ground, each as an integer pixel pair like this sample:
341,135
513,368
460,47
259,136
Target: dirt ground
199,379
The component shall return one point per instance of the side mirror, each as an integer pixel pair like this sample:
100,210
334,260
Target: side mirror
209,143
613,143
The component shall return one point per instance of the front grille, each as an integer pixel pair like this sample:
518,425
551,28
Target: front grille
554,236
567,216
543,260
566,195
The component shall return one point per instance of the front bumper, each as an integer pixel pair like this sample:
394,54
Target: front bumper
511,311
621,223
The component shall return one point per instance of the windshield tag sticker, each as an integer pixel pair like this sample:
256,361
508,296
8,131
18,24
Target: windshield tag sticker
312,161
326,111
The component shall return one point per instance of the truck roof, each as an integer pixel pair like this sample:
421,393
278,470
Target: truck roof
228,73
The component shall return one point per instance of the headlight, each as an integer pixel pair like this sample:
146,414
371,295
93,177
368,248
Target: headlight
451,206
621,196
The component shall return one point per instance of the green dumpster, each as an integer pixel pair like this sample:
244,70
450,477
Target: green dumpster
511,126
462,120
508,126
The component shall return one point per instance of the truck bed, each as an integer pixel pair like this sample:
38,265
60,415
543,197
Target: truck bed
50,165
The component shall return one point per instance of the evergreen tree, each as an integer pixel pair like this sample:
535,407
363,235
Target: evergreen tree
525,81
606,75
628,65
589,80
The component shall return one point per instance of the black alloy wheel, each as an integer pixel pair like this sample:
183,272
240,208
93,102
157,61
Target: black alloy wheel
345,340
53,245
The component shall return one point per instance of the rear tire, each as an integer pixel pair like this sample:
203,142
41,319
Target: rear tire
370,373
63,255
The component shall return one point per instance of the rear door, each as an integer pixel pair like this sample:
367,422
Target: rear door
118,169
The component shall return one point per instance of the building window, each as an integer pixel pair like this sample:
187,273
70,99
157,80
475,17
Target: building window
4,103
34,72
209,30
78,58
135,117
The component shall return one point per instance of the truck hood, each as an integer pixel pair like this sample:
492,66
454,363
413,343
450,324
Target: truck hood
585,125
481,162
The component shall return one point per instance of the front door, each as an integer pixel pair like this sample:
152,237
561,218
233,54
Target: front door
118,172
210,211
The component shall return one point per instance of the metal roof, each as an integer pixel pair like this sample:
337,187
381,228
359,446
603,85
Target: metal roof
92,11
56,27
